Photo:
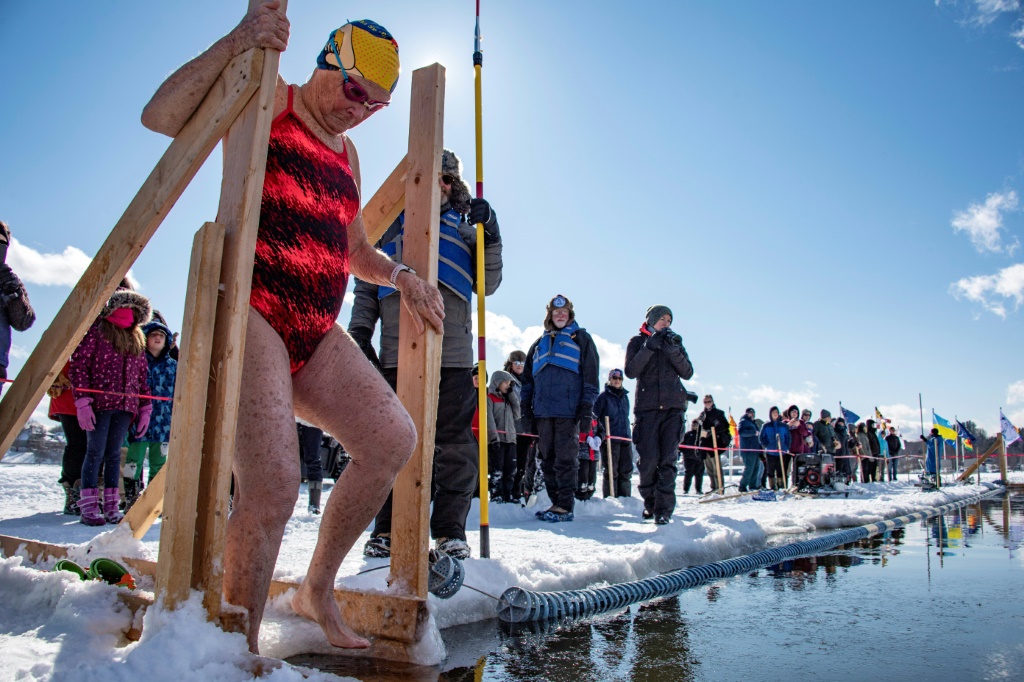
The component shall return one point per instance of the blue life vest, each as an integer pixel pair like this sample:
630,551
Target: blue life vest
558,349
454,259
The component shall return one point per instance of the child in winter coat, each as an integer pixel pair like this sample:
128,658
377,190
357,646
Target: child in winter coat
163,370
589,455
111,361
502,414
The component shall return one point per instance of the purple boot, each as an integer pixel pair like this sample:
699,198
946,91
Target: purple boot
111,502
89,503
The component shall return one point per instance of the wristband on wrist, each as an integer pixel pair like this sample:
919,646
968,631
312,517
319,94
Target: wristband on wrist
397,271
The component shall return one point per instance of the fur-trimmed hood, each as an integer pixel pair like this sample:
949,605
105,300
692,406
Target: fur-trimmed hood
123,298
460,194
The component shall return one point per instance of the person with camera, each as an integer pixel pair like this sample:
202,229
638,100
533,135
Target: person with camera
656,358
15,310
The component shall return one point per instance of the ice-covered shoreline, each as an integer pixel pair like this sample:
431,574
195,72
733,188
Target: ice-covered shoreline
55,625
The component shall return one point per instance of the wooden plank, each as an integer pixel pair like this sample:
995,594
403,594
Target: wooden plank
419,356
184,452
245,160
179,164
148,507
384,206
978,462
374,614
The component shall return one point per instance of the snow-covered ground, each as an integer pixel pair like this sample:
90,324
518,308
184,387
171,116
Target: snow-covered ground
53,626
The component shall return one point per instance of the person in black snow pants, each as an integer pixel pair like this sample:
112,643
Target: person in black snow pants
657,360
560,386
613,403
693,460
455,468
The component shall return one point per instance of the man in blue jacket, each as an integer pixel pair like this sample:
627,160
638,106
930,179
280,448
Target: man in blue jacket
560,386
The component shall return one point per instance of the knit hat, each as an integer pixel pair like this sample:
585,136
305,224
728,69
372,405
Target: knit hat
749,410
615,374
559,301
156,326
825,414
364,48
460,195
655,312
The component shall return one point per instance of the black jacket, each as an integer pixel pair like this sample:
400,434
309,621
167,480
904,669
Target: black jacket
657,373
894,443
714,419
691,454
614,404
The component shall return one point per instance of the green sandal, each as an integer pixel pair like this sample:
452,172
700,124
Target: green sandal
71,566
109,571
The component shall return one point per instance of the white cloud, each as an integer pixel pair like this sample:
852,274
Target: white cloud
1008,283
18,353
767,396
984,222
47,269
506,336
1015,393
906,418
988,11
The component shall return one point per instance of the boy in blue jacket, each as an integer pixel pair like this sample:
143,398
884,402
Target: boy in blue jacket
163,370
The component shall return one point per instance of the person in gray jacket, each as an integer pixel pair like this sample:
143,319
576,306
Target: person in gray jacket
455,452
502,414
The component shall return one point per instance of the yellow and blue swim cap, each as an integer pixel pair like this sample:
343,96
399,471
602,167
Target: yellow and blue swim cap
364,48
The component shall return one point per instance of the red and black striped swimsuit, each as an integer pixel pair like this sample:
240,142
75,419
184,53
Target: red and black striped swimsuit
301,267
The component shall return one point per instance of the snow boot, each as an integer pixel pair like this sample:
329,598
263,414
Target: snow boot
315,488
111,503
454,547
89,504
557,515
661,520
70,508
378,546
132,490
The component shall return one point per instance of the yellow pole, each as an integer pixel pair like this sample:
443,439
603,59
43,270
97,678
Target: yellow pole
481,283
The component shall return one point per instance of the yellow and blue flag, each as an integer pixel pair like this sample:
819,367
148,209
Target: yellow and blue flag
946,429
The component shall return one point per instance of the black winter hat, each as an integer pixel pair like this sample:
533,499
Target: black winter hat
655,312
825,414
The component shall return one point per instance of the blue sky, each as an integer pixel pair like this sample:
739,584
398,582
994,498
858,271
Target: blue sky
828,195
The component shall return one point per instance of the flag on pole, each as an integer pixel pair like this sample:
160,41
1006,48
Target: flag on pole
850,416
966,436
732,428
880,419
1009,431
946,429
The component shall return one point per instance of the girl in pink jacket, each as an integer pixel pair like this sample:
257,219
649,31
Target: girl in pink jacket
111,363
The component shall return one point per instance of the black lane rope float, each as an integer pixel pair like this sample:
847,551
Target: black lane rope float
518,605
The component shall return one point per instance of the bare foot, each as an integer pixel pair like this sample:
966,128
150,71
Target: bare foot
324,611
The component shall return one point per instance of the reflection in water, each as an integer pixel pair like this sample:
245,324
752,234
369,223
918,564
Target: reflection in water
867,600
649,642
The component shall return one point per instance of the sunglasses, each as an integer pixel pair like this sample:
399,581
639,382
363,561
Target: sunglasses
616,376
518,362
354,92
448,179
